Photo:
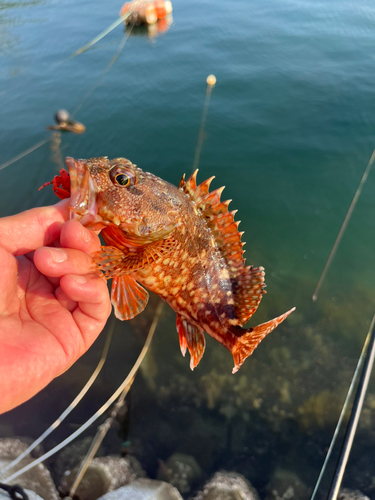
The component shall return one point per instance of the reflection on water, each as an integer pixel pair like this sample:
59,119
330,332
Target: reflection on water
152,30
55,146
8,40
289,132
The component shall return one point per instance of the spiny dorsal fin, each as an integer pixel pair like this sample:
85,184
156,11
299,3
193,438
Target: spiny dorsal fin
195,192
248,282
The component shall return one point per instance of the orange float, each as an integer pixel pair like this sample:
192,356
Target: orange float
146,11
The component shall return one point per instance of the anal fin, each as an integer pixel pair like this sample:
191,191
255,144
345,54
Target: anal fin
191,338
248,340
128,297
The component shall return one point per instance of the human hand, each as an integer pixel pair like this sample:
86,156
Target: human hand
53,303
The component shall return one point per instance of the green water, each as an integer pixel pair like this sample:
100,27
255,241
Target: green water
289,132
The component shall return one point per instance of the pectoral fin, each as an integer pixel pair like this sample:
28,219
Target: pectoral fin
128,297
110,261
113,261
191,338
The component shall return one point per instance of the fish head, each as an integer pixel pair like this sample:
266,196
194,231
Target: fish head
115,191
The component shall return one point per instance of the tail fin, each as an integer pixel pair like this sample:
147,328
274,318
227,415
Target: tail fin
248,340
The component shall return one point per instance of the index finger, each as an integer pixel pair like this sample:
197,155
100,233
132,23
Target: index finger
27,231
74,235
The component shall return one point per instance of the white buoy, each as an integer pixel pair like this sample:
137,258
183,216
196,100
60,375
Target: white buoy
211,80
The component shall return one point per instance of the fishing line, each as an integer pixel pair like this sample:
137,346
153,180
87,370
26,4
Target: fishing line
97,441
101,410
109,66
86,96
79,51
74,403
25,153
101,35
101,433
104,428
343,227
354,419
211,80
82,49
353,384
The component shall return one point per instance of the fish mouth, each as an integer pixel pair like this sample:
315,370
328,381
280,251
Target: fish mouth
83,195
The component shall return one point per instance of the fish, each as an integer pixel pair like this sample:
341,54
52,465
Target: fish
181,243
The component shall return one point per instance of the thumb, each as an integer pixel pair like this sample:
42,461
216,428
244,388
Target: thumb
8,284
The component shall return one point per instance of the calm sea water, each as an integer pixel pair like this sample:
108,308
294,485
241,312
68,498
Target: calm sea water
290,129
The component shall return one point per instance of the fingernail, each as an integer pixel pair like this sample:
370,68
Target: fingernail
58,255
86,236
78,279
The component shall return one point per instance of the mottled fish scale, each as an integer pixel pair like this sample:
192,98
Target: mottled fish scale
247,283
181,278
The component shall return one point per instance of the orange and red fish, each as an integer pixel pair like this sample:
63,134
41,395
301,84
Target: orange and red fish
180,242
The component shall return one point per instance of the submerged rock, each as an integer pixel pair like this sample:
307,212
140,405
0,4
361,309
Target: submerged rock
70,457
12,447
181,471
286,485
38,479
346,494
31,495
227,486
103,475
144,489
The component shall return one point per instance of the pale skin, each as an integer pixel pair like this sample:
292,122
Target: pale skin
53,302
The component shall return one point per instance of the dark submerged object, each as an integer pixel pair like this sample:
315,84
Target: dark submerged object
66,124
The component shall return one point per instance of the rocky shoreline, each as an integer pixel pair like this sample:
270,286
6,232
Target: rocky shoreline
123,478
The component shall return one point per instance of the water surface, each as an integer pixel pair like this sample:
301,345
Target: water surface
289,132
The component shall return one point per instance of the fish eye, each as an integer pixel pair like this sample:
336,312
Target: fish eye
122,176
122,180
